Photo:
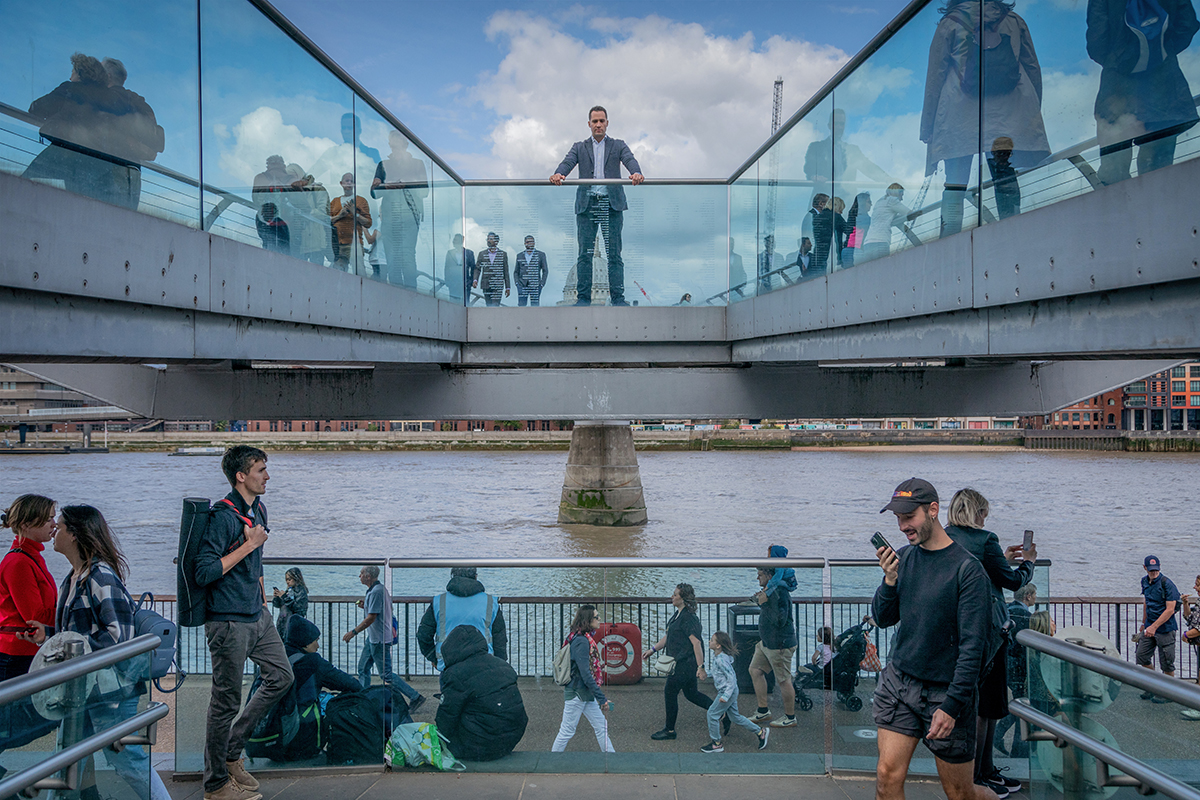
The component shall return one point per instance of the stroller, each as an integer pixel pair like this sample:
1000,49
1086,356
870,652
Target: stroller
841,674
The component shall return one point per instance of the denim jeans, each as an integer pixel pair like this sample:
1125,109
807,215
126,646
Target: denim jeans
132,764
599,216
719,709
379,656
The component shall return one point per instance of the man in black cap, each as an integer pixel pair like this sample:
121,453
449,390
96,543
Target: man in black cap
1158,626
928,690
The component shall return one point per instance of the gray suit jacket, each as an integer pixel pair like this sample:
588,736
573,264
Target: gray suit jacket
616,153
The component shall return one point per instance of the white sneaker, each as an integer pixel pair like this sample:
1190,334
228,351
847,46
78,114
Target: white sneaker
784,722
1189,713
760,716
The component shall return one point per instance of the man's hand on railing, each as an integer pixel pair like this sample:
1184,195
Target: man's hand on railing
637,178
556,179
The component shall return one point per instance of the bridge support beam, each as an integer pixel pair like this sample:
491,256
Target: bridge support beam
603,485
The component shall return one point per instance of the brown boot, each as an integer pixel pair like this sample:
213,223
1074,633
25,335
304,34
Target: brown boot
232,791
238,772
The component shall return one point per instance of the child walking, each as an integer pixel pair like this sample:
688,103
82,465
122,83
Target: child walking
582,696
727,695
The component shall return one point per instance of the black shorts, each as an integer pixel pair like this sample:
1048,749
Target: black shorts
905,705
993,691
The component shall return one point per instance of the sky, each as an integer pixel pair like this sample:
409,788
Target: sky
500,90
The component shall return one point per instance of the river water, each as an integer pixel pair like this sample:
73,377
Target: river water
1095,514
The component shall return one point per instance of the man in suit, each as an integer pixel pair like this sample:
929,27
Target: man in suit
530,274
599,207
491,270
460,266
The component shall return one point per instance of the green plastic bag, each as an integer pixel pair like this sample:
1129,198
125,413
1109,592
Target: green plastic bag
415,744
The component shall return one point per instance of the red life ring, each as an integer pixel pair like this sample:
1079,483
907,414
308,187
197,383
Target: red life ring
619,654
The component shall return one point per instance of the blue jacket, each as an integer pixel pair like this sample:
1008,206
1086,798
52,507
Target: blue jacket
616,153
466,603
723,676
784,576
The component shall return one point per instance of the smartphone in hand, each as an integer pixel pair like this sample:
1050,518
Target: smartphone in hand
17,629
1028,543
877,541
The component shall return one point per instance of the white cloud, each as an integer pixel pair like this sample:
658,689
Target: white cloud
262,133
689,103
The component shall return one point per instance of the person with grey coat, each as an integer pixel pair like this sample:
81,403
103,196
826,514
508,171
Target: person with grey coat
583,696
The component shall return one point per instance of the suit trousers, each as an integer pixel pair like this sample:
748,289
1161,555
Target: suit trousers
600,216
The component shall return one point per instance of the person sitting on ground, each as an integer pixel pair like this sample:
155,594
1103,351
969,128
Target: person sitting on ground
463,603
482,716
583,696
305,637
725,681
293,601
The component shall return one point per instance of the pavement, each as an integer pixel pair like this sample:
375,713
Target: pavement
433,786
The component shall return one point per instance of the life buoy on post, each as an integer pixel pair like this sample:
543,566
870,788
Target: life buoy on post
621,652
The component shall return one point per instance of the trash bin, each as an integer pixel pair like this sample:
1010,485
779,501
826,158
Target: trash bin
742,622
620,652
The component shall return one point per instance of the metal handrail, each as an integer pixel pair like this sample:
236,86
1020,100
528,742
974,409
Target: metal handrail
798,563
1141,776
32,682
1186,694
71,756
279,561
597,182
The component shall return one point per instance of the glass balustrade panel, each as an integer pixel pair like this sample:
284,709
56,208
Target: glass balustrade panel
1112,712
49,721
795,190
280,141
1077,101
743,235
667,248
449,250
102,101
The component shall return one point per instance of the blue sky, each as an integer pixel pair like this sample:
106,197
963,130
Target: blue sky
458,71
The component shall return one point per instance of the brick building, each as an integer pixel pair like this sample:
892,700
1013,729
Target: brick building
1166,401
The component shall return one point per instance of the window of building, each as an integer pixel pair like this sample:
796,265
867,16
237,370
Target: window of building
287,426
1195,400
1178,400
1195,386
1111,419
1136,400
1177,386
1194,370
1075,417
1056,416
1140,386
1179,372
1112,402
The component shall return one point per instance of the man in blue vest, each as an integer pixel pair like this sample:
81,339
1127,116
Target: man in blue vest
463,603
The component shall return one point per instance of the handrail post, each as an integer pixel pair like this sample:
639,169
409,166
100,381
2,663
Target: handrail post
1072,704
71,731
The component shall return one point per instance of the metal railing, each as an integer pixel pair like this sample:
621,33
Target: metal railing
31,780
1066,732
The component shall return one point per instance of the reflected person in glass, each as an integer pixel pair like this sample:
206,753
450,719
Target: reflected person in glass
858,221
273,187
144,137
350,156
530,274
1144,99
491,270
737,274
310,227
769,264
458,269
401,184
599,207
982,66
888,213
351,217
834,158
93,601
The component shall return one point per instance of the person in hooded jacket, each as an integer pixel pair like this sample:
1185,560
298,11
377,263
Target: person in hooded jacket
313,673
482,716
463,603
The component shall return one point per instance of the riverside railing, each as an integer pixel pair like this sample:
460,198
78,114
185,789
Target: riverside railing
1081,716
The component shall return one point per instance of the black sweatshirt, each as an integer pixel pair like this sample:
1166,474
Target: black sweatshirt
944,615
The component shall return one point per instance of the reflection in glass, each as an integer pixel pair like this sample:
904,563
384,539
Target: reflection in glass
491,271
455,262
1144,99
981,50
401,184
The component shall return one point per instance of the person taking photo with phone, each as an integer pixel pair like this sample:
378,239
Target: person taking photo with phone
927,692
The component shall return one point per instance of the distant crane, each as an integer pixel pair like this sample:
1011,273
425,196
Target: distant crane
773,169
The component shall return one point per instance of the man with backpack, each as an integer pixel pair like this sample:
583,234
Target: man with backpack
238,624
941,594
377,652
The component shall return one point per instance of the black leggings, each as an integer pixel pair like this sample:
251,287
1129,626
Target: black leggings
682,679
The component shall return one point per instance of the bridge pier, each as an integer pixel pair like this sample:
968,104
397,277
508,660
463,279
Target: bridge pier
603,485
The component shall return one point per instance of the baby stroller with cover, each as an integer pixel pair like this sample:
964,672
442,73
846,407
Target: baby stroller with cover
841,674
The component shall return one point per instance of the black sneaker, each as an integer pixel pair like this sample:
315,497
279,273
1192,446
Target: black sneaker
725,725
416,703
712,747
996,786
618,303
763,735
1011,784
583,302
1147,695
1159,700
658,736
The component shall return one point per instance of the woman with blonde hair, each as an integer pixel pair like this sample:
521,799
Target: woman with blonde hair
968,511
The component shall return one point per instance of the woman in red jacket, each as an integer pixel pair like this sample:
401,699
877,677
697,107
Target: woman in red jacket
27,590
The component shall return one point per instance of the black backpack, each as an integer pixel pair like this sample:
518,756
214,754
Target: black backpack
274,732
394,711
995,69
191,608
355,729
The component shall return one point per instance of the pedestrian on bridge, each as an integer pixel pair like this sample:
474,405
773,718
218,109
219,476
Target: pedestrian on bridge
1159,625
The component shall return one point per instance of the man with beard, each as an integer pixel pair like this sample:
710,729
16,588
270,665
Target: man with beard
928,691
